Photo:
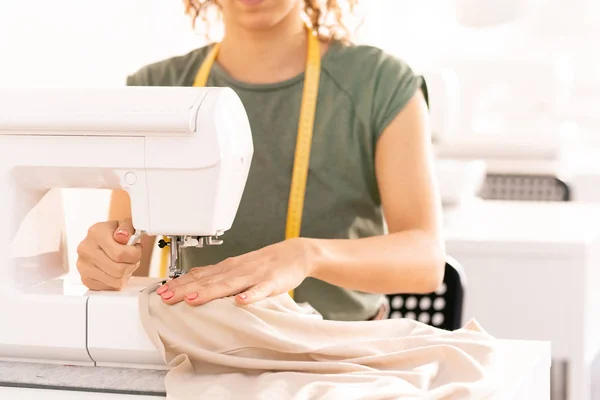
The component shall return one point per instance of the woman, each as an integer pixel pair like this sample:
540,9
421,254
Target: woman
370,156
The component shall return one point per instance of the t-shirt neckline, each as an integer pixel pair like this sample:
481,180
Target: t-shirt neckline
220,73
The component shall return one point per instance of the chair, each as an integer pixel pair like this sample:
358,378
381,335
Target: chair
525,188
440,309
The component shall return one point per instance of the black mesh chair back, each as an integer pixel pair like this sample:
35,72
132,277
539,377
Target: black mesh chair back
524,188
440,309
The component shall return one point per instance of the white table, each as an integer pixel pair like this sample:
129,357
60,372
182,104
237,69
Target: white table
533,273
526,367
526,370
584,183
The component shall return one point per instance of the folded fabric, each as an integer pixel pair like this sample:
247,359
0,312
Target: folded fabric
277,349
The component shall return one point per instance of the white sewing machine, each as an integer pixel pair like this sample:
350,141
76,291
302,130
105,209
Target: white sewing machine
182,154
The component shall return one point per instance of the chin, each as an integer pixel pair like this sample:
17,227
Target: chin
261,14
259,22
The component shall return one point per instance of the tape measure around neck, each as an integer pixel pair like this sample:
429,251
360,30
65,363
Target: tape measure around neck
303,139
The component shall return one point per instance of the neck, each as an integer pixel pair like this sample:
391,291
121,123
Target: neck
264,56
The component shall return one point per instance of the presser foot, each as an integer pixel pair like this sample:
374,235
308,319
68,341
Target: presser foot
176,273
177,242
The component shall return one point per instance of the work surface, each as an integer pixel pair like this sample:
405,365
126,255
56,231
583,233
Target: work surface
522,227
526,372
532,272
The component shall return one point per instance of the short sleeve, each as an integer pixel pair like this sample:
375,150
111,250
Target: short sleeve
139,78
395,84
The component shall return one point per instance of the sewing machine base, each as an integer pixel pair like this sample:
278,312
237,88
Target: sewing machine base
68,324
131,381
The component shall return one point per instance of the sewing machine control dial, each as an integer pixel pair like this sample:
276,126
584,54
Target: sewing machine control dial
130,178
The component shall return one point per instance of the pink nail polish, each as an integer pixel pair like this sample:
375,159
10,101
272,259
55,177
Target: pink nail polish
242,296
167,295
122,232
191,296
162,289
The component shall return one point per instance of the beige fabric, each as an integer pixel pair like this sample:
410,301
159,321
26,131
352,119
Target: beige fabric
277,349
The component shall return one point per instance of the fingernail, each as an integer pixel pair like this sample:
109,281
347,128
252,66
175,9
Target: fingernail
242,296
167,295
122,232
162,289
191,296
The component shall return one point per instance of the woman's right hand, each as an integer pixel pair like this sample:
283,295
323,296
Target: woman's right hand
105,260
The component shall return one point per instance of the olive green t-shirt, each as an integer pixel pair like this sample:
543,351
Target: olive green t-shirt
361,90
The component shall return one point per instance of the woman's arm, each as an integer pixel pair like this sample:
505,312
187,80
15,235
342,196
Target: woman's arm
120,209
411,258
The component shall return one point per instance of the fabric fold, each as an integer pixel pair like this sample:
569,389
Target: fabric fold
278,349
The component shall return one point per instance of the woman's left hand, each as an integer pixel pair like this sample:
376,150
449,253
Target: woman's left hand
270,271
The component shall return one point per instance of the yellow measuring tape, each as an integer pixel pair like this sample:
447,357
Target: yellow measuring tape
303,140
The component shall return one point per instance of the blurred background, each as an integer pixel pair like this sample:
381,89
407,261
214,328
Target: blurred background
514,90
495,49
512,69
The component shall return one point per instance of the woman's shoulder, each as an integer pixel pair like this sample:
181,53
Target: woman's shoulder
173,71
360,52
378,82
364,59
362,69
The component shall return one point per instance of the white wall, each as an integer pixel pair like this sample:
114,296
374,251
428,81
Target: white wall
558,36
77,43
74,43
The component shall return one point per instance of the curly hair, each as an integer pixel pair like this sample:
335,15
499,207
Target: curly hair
328,19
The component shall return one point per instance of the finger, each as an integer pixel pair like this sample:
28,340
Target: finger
112,268
199,294
113,283
207,289
225,288
101,228
194,275
89,270
256,293
90,251
120,253
93,284
124,231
